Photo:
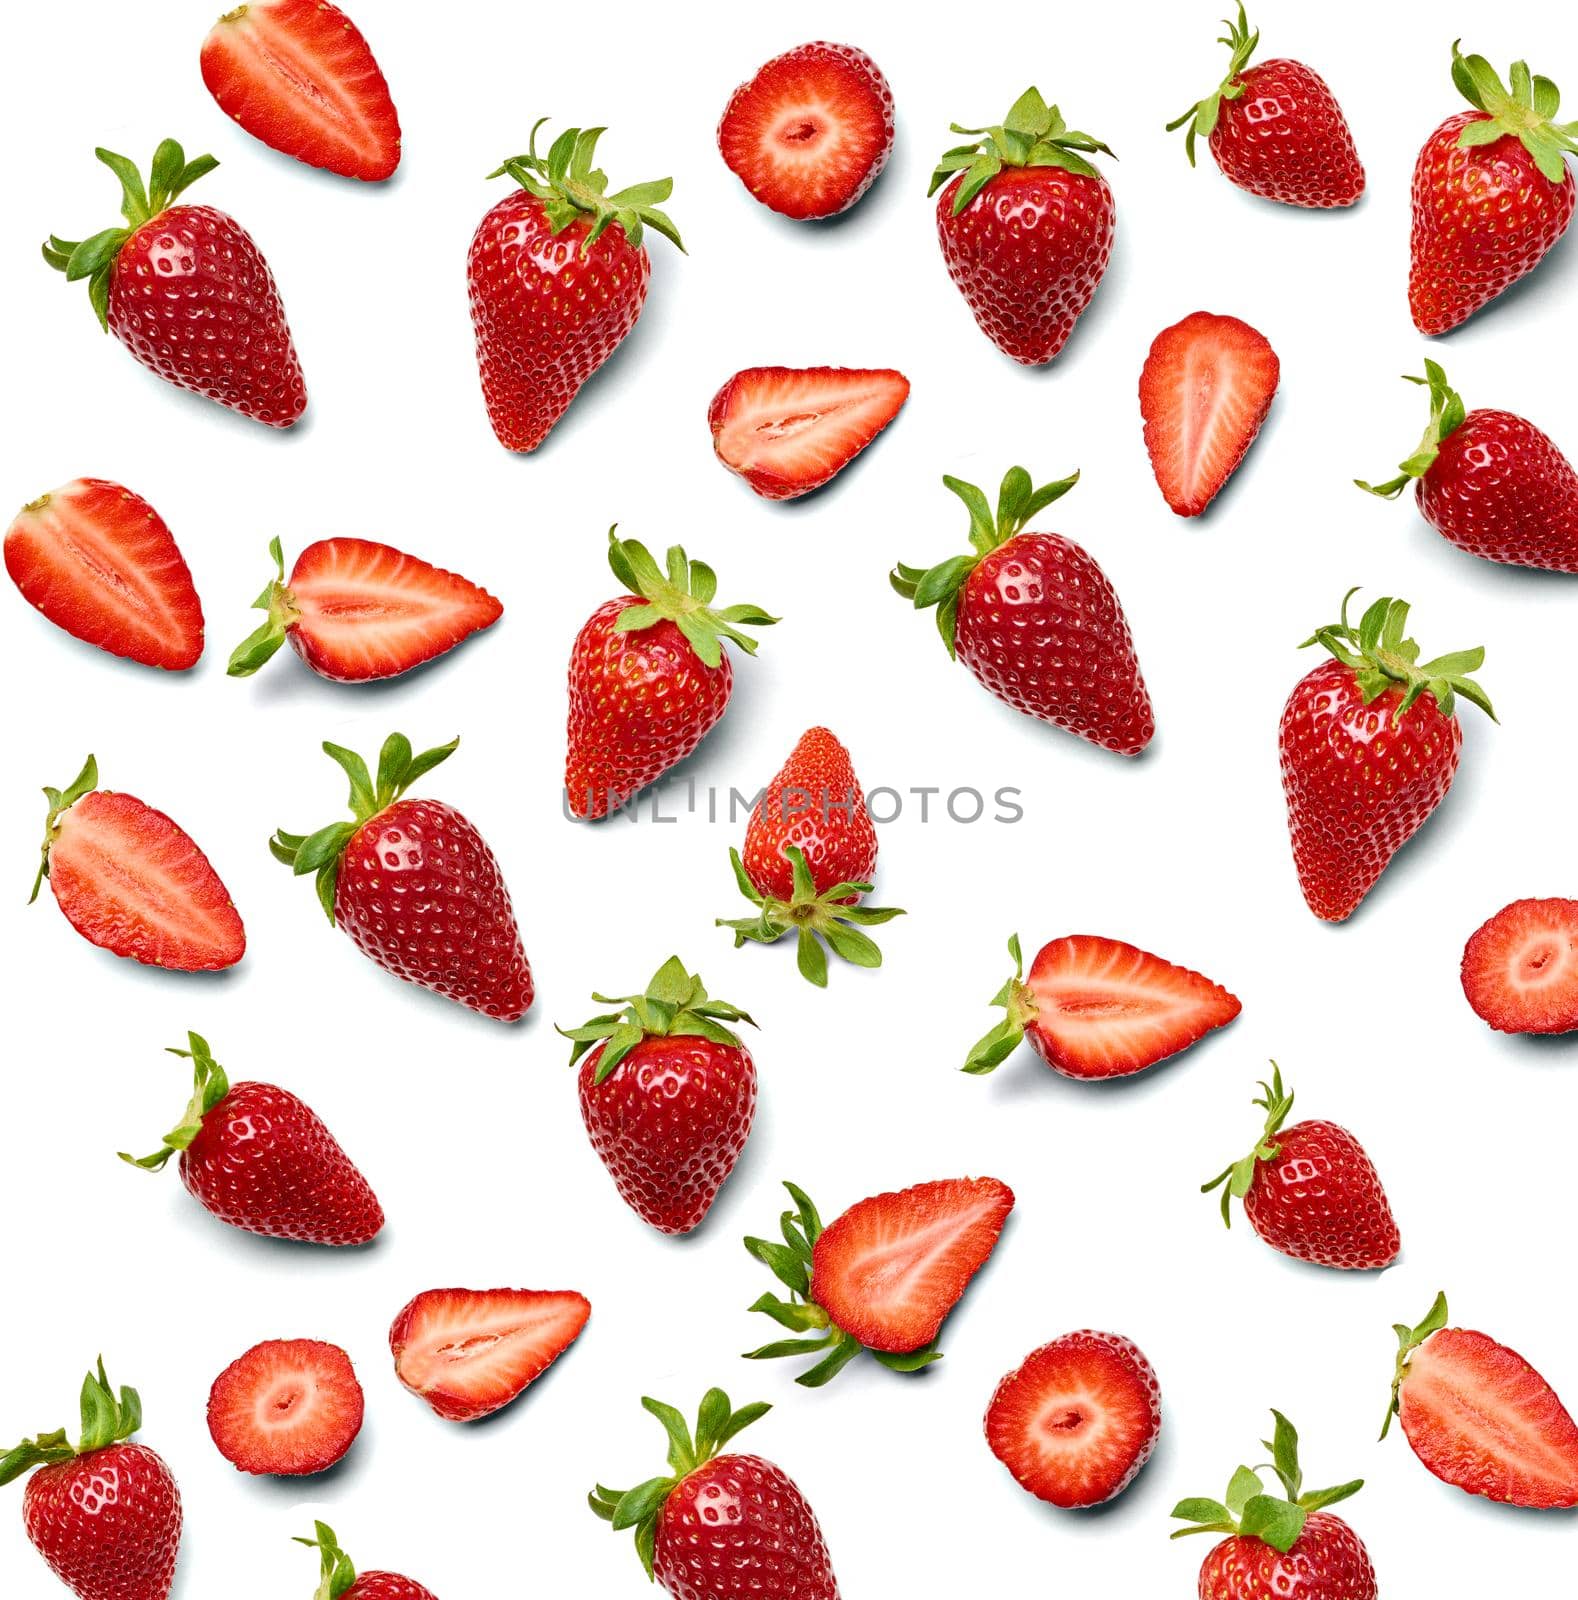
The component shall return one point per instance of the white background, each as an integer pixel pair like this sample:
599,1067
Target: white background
468,1130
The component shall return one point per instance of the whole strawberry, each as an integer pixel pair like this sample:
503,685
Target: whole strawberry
1491,483
1035,619
105,1515
648,676
1275,129
668,1095
557,274
1491,193
186,290
721,1527
1026,226
340,1580
1310,1191
259,1159
1369,743
415,885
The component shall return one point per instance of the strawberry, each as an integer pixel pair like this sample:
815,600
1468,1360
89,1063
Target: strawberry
130,881
106,1515
557,274
811,131
668,1095
1310,1191
1490,483
1205,389
99,562
257,1158
186,290
1026,225
1275,129
648,676
882,1277
1369,744
341,1581
1290,1545
1077,1419
1035,619
415,885
469,1352
788,430
1520,969
355,610
1491,193
298,75
1100,1008
289,1407
720,1527
1480,1417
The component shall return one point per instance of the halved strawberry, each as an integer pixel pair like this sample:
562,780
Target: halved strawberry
788,430
288,1406
468,1352
1520,970
1205,389
298,75
99,562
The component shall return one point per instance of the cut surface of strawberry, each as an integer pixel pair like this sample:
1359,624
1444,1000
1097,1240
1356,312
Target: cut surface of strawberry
1520,970
287,1407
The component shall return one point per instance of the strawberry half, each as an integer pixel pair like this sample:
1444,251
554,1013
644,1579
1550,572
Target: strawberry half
288,1407
469,1352
1205,389
1520,969
98,561
355,610
1099,1008
789,430
341,1581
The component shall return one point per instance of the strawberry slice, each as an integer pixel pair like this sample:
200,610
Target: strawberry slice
1205,389
1520,970
298,75
288,1406
99,562
468,1352
788,430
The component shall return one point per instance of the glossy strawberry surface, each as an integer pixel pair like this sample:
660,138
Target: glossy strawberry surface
1285,138
1320,1199
814,802
1328,1561
387,1586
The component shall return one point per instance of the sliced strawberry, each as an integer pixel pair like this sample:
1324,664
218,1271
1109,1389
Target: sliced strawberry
1520,970
1204,392
99,562
468,1352
288,1406
298,75
788,430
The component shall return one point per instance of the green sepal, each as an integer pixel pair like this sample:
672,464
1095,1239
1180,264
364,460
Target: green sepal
1525,112
1408,1340
60,802
337,1573
280,604
210,1085
1033,134
1019,1005
107,1417
1239,1178
1203,115
1446,417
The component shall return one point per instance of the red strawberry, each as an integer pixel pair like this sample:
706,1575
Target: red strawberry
721,1527
298,75
1369,744
788,430
1490,483
1205,389
259,1159
1480,1417
668,1095
131,882
186,290
355,610
99,562
288,1406
1491,194
1289,1547
1100,1008
811,131
648,676
1310,1191
341,1581
1077,1419
469,1352
106,1515
1276,129
1026,226
557,273
1035,619
1520,969
415,885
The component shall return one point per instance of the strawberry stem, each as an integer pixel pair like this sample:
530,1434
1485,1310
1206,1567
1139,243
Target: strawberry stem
107,1418
996,1045
280,604
1033,134
1446,417
337,1573
1408,1339
60,802
1525,112
1277,1102
1203,115
210,1086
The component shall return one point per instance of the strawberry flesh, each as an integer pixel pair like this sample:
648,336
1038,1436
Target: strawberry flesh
1520,970
288,1407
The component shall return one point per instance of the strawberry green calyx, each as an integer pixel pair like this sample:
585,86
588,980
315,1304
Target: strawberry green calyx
1446,417
337,1573
1203,115
1526,112
996,1045
716,1423
107,1418
210,1085
169,176
1033,134
280,604
1408,1340
60,802
1277,1102
1247,1511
